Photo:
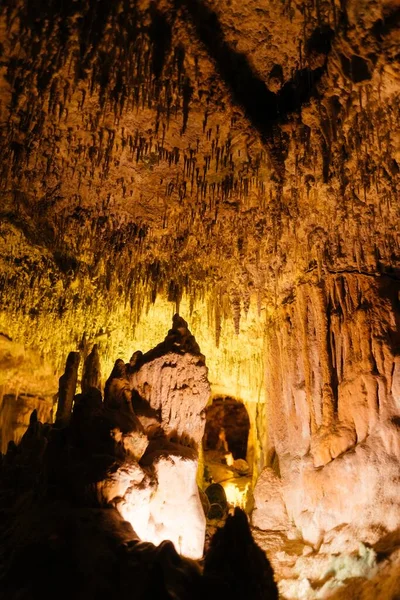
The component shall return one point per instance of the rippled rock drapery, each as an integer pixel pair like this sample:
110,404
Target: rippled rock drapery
172,378
225,152
218,148
27,383
334,402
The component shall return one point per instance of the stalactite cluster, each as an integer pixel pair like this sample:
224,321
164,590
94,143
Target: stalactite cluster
135,160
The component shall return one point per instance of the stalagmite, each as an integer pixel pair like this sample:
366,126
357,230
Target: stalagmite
235,162
67,388
172,378
91,376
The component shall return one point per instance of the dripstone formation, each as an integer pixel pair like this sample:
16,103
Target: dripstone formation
67,488
236,162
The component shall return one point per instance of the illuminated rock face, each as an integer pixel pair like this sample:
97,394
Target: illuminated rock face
62,533
269,505
171,391
169,508
27,383
172,378
333,382
241,161
170,383
209,152
105,453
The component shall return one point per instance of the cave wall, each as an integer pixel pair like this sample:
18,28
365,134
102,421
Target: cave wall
333,400
234,161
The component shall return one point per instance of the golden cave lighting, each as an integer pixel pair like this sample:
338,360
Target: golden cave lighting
229,459
237,495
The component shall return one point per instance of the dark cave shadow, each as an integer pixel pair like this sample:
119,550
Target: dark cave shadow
263,108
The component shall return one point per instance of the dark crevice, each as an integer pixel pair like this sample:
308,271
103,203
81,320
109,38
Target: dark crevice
383,27
160,35
355,68
263,108
320,41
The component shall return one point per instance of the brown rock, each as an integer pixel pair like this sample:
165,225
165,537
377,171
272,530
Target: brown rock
67,388
135,443
118,399
91,375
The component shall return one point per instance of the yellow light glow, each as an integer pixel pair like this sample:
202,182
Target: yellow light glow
236,495
229,459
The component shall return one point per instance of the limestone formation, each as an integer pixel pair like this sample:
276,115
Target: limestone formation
91,375
66,486
236,162
166,504
269,506
172,378
67,388
333,385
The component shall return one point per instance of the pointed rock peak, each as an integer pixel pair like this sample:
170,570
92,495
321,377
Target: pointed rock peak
179,324
67,388
72,361
178,340
135,359
33,418
119,370
91,376
179,337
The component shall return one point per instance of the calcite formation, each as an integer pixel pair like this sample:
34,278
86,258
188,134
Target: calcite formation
172,378
236,162
65,487
148,473
333,381
155,489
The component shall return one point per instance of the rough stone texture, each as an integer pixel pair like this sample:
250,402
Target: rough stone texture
60,530
27,383
269,506
333,381
15,413
67,388
174,510
172,378
24,370
160,498
165,505
91,375
219,146
232,153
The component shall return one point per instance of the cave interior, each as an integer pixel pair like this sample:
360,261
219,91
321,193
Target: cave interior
200,299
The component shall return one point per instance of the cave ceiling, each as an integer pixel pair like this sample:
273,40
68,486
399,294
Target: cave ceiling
209,148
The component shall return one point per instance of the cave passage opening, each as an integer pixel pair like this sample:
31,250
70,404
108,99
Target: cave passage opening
225,451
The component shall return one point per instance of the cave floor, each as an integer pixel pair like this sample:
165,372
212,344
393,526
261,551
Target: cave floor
303,573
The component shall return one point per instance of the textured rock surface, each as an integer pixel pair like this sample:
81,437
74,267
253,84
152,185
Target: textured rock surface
15,412
236,158
58,529
101,448
219,146
160,498
269,506
333,382
67,388
175,510
172,378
